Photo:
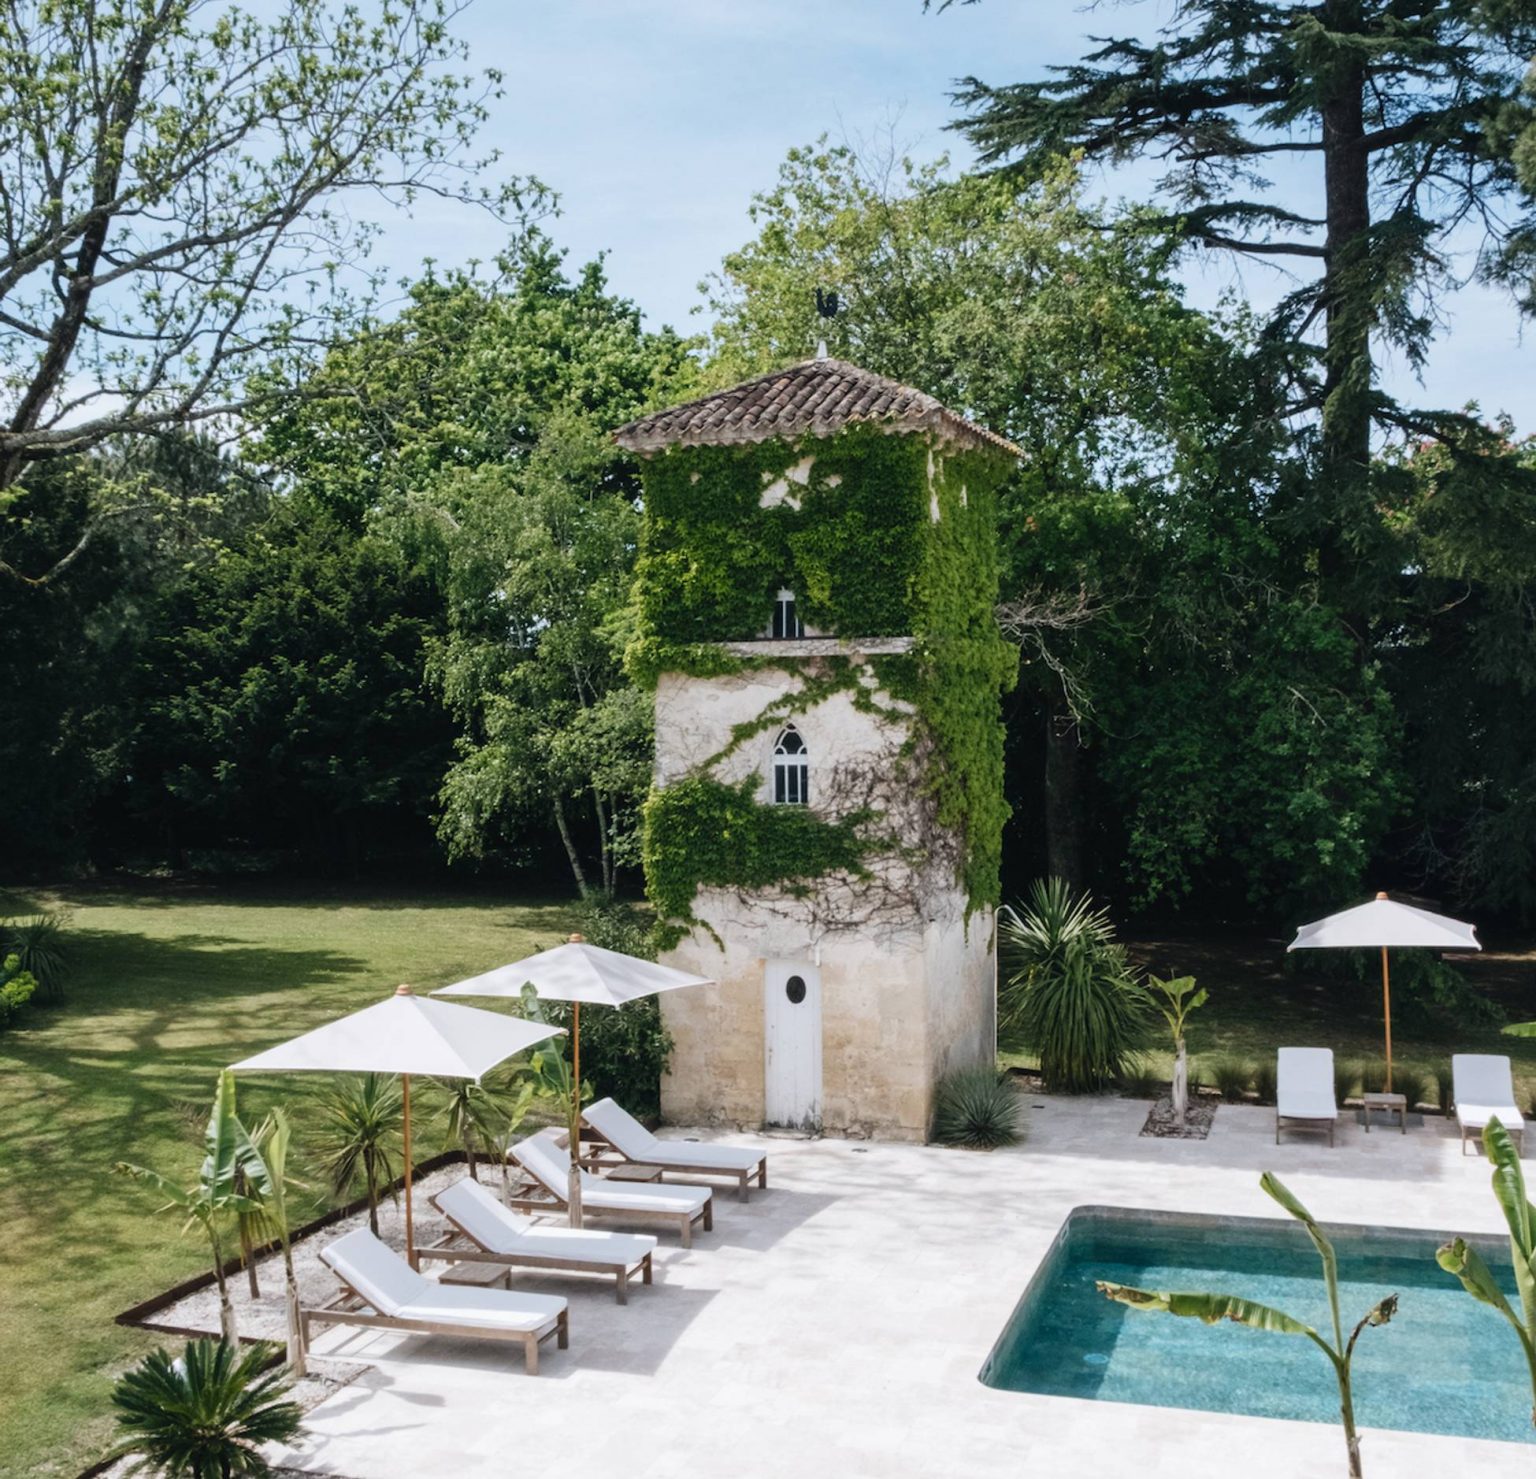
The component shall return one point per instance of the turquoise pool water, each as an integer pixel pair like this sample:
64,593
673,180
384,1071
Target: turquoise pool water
1446,1364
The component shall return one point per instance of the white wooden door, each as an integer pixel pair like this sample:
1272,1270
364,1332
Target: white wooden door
792,1042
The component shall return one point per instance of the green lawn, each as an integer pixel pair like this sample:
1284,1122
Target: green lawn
168,986
1257,1004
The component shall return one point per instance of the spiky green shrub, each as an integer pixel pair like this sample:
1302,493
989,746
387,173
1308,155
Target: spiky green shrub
977,1108
1232,1077
1346,1079
1266,1081
206,1415
1068,993
1141,1081
1445,1092
1415,1086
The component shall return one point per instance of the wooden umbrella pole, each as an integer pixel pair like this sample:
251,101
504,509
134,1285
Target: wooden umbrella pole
1386,1007
410,1228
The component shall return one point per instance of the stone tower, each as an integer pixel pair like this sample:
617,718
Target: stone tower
815,597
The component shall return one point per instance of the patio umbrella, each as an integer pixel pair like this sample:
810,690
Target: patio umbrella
578,972
405,1034
1384,923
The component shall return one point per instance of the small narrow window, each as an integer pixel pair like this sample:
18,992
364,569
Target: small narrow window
791,770
786,623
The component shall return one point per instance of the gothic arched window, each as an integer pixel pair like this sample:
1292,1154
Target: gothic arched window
791,770
786,621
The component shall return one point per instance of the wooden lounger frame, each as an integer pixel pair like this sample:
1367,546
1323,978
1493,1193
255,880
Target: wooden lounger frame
459,1247
531,1195
606,1153
1303,1122
1475,1132
343,1310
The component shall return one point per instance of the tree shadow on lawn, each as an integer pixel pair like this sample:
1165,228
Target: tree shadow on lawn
106,1075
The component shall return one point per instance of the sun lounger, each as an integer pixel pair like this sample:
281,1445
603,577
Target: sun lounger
547,1162
382,1291
1484,1089
615,1126
486,1232
1304,1091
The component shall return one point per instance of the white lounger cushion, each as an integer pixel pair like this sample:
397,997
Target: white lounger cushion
497,1229
1484,1087
394,1288
636,1143
1304,1084
550,1164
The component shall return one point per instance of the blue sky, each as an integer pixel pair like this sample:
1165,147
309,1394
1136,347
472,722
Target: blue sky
657,120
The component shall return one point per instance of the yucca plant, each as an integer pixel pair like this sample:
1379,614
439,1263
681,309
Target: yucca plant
39,945
362,1124
976,1107
1068,993
1211,1308
231,1182
206,1415
1459,1258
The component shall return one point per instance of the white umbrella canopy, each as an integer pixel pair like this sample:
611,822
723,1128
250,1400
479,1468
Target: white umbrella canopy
1385,924
578,973
405,1034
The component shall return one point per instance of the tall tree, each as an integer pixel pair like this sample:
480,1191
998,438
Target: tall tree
280,703
1161,603
471,431
1405,108
175,209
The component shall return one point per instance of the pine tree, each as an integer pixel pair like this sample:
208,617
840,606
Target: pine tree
1410,110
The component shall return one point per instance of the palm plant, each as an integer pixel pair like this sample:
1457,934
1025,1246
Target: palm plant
273,1141
363,1122
1210,1308
474,1115
1176,998
38,944
1458,1258
231,1182
1068,993
206,1415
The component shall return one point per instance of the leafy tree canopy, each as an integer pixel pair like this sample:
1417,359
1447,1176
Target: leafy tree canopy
174,208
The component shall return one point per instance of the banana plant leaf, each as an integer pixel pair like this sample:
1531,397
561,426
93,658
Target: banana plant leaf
1210,1309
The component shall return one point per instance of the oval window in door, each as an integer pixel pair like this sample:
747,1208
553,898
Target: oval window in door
794,989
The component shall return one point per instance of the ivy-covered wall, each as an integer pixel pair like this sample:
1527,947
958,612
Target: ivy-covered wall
859,545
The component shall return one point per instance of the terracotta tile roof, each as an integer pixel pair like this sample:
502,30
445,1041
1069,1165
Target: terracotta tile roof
814,398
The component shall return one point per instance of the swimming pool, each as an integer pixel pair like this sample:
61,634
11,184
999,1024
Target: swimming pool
1446,1364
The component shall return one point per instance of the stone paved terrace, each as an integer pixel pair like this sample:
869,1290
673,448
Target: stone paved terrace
835,1325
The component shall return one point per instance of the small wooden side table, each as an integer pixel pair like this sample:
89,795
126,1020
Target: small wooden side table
1392,1103
478,1275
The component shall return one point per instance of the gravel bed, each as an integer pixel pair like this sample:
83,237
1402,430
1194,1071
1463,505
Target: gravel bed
1197,1124
263,1317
